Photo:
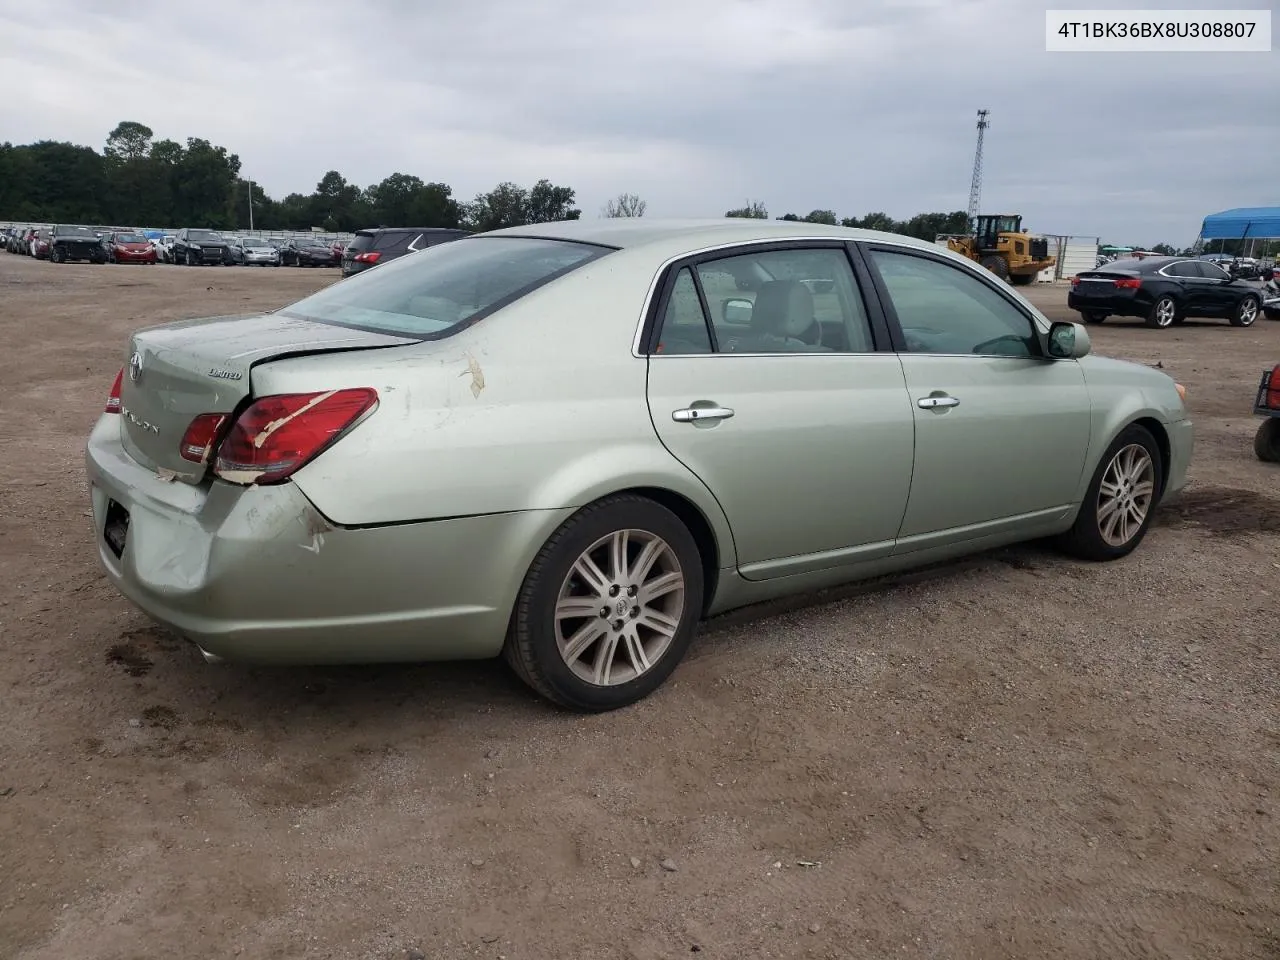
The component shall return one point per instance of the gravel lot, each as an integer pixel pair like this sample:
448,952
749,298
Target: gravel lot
1016,756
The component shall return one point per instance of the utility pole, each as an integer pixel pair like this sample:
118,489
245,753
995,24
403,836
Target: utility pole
975,186
251,206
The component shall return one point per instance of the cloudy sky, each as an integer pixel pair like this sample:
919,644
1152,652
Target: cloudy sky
696,105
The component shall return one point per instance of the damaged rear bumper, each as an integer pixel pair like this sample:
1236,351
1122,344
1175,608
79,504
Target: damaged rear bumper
256,574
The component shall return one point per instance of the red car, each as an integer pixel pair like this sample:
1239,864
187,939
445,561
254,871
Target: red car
40,244
130,248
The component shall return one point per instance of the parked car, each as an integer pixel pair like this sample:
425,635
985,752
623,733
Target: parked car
1270,294
40,243
1163,291
67,243
371,247
254,251
130,248
230,251
513,444
305,252
198,247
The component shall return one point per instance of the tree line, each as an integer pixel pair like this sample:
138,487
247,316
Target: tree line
924,226
140,181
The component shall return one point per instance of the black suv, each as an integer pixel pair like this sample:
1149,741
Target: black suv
198,247
371,247
75,243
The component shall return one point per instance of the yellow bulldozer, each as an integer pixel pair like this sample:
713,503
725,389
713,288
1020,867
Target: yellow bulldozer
1001,245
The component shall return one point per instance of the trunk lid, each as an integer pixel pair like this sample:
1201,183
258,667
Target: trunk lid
178,371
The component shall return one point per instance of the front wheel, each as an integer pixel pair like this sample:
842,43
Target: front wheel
1163,312
609,606
1266,442
1121,499
1246,312
997,265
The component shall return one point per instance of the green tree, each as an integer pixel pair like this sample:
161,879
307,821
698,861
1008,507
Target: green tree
754,210
821,216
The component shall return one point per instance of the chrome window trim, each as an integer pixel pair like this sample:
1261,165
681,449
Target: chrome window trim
962,263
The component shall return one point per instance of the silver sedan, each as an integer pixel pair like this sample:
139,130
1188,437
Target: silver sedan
569,443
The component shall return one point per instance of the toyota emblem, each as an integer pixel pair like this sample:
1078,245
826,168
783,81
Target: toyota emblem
135,367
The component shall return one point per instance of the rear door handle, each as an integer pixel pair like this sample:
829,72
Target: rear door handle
691,414
929,403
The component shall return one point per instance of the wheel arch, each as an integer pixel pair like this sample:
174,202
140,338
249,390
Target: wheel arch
1161,435
697,523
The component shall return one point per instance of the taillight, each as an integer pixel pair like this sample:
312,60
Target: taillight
1273,389
1075,281
113,398
370,257
277,435
201,437
1128,283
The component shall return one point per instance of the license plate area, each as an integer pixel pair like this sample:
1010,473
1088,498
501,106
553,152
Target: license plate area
115,530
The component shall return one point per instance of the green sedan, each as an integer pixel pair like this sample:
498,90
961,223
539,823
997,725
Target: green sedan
567,444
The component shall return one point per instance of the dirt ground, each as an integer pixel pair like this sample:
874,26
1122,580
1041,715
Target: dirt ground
1016,756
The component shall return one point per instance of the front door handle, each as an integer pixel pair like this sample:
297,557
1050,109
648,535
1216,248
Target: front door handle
929,403
693,414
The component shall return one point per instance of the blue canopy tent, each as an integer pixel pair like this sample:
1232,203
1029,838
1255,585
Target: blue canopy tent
1242,223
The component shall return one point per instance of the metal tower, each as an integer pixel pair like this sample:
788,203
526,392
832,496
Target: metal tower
975,188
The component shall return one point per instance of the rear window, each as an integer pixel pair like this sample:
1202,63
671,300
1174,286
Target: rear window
446,287
360,242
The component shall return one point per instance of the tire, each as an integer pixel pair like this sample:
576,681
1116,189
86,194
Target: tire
188,259
997,265
1266,442
1272,313
1163,313
1246,311
1021,279
1137,449
1093,316
55,255
533,644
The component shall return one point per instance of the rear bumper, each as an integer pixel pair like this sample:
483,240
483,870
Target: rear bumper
257,574
1116,305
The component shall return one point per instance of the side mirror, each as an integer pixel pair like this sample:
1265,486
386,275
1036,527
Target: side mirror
736,310
1068,341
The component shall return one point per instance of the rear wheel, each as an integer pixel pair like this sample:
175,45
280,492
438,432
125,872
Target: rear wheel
1163,313
1093,316
1121,499
1266,442
608,607
1246,312
996,265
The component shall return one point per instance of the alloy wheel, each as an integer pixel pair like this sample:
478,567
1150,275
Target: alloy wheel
1248,311
1126,494
619,608
1166,310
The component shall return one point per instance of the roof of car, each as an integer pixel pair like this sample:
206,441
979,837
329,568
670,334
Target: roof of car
626,232
1142,264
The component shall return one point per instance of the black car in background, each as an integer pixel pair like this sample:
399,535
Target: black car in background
195,247
68,243
378,245
304,252
1163,291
